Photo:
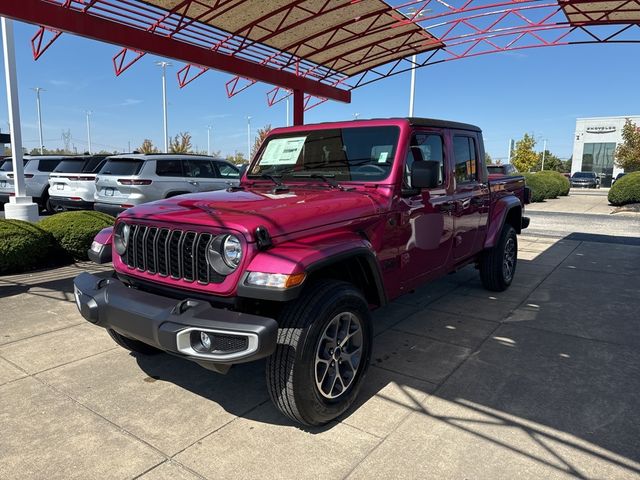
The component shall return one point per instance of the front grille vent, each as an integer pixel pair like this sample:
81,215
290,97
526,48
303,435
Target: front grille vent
171,253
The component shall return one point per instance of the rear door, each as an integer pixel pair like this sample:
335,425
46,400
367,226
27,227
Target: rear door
471,195
202,175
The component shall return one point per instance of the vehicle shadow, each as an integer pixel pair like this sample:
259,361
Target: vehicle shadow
534,382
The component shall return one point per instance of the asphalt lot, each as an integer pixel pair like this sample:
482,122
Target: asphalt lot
541,381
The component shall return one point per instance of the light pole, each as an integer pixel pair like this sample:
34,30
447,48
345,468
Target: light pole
38,90
288,110
164,66
413,13
355,116
89,112
249,138
544,151
209,140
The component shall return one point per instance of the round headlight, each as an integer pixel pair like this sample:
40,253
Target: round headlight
232,251
224,254
121,238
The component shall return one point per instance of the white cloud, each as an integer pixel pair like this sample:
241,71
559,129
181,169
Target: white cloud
60,83
128,102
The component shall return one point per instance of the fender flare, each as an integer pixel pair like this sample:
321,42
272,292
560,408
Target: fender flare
310,260
499,213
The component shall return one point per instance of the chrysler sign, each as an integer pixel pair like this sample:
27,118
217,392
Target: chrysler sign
600,129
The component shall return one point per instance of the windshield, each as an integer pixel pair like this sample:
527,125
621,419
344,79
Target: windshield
7,164
122,166
584,175
348,154
70,166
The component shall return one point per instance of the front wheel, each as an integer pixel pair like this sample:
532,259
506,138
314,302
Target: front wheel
498,264
323,352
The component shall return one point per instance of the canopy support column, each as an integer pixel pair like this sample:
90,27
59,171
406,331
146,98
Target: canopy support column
20,207
298,107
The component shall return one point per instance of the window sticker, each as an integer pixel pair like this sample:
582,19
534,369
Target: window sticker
383,157
282,151
380,153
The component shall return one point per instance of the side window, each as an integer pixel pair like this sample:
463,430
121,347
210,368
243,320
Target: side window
47,165
200,169
169,168
464,151
227,171
425,146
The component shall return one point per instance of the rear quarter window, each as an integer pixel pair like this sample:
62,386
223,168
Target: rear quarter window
48,165
122,166
170,168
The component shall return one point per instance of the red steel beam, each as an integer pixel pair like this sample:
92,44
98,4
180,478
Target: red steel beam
76,22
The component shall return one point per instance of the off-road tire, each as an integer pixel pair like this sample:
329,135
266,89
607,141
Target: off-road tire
493,272
132,345
291,370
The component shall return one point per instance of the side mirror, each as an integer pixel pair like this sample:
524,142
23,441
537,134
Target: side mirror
425,174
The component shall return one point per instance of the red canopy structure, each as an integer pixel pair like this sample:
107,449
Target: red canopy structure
322,49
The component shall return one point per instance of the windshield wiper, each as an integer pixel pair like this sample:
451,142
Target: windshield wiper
329,179
266,176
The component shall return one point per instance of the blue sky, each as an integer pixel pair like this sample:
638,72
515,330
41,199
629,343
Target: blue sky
540,91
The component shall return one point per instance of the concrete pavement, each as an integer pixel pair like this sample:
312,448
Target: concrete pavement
540,381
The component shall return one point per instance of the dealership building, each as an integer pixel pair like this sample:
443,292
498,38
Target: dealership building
595,144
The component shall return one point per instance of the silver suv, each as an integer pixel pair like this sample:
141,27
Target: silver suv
132,179
72,184
36,174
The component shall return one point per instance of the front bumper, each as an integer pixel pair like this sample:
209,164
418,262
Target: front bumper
174,326
584,185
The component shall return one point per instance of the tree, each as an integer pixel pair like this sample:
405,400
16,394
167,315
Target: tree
181,143
487,158
551,162
237,158
148,147
261,134
523,157
628,152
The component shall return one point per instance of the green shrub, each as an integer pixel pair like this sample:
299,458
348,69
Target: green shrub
25,246
537,185
74,231
556,183
626,190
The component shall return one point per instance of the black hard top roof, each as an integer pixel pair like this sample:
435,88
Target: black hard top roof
433,122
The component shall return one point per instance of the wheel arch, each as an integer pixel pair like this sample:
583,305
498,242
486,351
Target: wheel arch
507,210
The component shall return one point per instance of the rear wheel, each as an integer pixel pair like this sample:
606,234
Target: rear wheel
45,202
498,264
132,345
323,352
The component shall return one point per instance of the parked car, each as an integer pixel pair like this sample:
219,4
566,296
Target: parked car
330,221
585,180
72,184
133,179
36,174
618,177
501,170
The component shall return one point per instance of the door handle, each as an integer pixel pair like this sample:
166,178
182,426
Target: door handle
195,184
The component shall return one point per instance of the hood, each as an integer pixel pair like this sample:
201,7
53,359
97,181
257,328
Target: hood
282,213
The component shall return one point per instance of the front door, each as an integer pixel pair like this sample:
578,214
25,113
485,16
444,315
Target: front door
471,195
426,223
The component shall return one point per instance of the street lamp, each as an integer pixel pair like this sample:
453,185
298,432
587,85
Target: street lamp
413,13
209,140
164,66
89,112
355,116
38,90
249,138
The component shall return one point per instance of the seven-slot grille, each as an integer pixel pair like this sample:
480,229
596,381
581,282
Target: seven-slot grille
171,253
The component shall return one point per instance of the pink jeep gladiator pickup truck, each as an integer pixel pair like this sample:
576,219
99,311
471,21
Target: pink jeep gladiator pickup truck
329,222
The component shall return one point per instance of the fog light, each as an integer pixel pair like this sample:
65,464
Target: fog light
96,247
205,339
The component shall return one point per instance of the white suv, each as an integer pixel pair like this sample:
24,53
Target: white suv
36,174
72,184
132,179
